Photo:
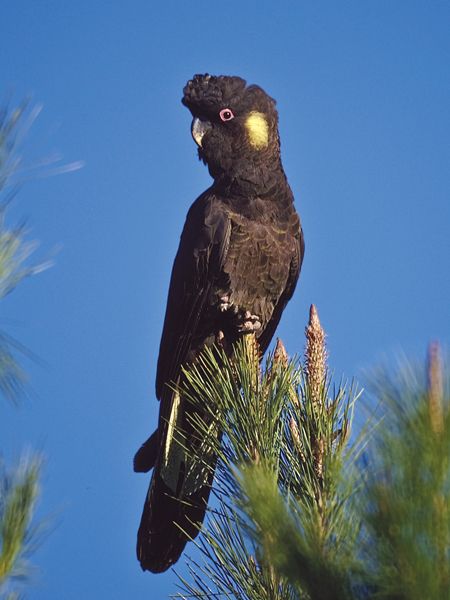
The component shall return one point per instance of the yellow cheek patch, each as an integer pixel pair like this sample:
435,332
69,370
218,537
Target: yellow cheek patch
258,130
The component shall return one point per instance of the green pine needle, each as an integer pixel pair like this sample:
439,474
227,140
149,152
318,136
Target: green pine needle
18,493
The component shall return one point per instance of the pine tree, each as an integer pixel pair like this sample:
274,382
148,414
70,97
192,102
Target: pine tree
305,510
18,485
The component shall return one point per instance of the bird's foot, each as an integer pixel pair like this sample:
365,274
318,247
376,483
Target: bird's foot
225,303
248,323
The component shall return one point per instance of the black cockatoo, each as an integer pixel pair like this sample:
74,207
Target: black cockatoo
236,268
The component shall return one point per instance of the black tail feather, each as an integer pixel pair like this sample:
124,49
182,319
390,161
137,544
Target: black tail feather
168,523
145,458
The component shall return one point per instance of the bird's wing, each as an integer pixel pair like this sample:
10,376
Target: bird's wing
180,487
198,262
294,272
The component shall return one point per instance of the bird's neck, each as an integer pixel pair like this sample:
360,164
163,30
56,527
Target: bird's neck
251,179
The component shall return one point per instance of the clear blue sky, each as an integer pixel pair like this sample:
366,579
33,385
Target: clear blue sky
363,92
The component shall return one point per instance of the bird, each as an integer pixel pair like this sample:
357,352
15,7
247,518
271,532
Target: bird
236,268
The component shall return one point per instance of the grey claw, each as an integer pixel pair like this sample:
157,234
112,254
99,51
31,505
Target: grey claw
225,303
250,323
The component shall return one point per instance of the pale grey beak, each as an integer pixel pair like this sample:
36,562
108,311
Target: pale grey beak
198,130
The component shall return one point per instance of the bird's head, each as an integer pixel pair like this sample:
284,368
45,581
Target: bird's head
234,125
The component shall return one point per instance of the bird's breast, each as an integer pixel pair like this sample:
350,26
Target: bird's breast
256,266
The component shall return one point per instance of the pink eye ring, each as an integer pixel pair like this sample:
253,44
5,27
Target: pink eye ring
226,114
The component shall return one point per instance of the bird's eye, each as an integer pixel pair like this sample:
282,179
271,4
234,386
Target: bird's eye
226,114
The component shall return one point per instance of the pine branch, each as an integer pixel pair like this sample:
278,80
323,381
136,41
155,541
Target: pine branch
303,517
15,250
408,489
18,493
19,487
302,512
277,421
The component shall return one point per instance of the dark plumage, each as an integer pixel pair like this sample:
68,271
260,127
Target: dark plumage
237,265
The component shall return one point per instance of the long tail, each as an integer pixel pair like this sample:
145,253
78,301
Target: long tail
167,524
178,494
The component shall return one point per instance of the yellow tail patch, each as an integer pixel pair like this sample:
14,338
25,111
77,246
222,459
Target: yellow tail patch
174,454
173,423
258,130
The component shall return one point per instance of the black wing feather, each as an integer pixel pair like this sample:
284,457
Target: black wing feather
198,261
168,521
